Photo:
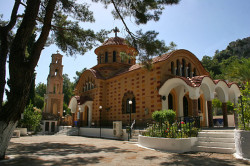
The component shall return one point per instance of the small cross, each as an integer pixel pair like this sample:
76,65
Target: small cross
116,30
57,52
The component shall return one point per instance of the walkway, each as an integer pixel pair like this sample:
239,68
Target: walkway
74,150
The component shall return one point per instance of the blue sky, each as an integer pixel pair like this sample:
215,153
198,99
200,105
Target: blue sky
200,26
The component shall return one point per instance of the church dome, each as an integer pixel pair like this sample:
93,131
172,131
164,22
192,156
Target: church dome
115,41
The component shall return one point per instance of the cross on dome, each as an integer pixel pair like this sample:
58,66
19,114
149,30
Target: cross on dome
116,30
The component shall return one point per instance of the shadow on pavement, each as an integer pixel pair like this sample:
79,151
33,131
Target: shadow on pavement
30,154
191,160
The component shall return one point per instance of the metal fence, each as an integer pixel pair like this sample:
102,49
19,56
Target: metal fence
182,128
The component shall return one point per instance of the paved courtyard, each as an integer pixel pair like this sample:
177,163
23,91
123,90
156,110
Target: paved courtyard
74,150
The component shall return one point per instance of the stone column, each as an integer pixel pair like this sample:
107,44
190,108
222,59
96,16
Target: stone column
195,107
210,114
224,110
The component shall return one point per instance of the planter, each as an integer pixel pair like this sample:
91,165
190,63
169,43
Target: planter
242,144
179,145
23,131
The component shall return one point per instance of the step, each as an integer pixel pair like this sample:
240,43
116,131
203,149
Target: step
212,139
215,149
216,144
133,140
227,131
216,134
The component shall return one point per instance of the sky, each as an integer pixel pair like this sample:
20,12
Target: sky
200,26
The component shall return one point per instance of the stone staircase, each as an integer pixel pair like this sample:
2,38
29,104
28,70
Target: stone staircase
218,141
71,131
135,135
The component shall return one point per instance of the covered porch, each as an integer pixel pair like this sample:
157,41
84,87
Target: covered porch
193,97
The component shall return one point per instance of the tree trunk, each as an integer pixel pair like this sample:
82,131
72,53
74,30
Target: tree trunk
6,130
21,69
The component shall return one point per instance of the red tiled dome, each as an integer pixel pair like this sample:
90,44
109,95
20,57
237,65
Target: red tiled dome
115,41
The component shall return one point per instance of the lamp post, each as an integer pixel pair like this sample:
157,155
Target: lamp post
100,109
130,110
63,117
78,116
78,120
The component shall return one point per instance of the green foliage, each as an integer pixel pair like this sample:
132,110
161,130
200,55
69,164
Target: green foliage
149,46
68,88
41,89
217,107
164,115
31,118
141,10
243,108
78,75
39,102
232,63
67,110
175,130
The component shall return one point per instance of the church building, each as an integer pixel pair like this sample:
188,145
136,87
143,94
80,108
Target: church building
118,86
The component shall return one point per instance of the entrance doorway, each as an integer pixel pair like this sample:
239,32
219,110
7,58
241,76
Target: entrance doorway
185,106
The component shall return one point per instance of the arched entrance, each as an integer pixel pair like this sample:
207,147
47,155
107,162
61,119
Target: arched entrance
86,116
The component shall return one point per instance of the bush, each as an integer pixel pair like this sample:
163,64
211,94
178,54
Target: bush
167,127
31,118
244,108
164,115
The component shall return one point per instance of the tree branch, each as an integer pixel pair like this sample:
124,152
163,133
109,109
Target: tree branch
39,44
126,27
13,15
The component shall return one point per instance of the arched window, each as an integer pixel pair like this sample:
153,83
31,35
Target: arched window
194,72
129,61
183,68
126,107
89,85
178,67
106,57
189,70
172,67
100,59
114,56
170,101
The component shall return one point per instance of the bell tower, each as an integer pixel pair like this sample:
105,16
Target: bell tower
54,92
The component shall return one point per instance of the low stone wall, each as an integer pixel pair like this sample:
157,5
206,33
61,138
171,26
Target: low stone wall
105,133
242,144
23,131
179,145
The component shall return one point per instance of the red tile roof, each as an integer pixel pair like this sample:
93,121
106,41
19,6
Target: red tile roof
115,41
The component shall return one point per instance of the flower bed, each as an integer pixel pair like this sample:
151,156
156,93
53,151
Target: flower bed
179,145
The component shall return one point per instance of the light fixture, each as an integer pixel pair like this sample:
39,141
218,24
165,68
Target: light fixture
100,107
130,102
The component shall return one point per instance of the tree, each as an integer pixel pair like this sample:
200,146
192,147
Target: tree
224,64
41,89
238,71
60,17
31,118
78,75
68,88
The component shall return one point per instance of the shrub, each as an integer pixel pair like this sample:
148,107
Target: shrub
243,108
